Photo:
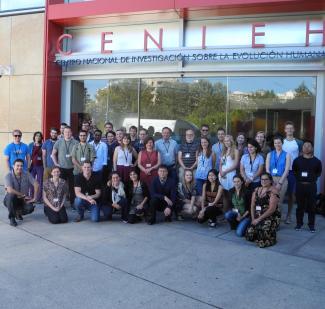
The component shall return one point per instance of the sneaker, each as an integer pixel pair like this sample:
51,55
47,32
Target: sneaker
298,227
180,218
212,224
312,229
287,220
78,219
125,221
13,222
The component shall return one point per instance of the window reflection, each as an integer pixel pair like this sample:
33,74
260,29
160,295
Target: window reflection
249,104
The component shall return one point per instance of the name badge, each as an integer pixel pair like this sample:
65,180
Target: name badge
187,155
148,165
258,208
235,210
68,155
39,158
82,159
55,200
275,171
304,174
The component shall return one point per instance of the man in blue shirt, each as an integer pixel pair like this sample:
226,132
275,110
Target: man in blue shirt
168,150
163,195
47,148
218,146
17,150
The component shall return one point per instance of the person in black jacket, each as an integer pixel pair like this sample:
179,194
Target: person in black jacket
138,197
114,197
163,195
238,217
307,168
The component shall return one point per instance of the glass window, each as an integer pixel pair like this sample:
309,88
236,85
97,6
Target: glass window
248,104
8,5
266,103
183,103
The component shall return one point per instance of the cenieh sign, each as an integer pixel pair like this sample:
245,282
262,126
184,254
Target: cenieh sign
200,41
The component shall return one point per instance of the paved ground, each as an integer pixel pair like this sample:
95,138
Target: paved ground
168,265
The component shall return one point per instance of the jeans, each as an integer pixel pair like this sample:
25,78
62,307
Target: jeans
241,226
95,209
199,185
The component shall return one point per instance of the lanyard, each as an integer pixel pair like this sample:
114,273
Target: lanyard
276,159
220,147
250,161
83,150
126,155
202,159
18,181
17,152
167,149
67,146
96,146
149,157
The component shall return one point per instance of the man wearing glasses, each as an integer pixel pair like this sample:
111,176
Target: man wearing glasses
16,150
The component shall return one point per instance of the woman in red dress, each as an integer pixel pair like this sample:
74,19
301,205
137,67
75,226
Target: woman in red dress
148,162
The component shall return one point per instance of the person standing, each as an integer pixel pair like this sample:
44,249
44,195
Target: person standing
205,162
17,199
307,168
163,196
85,126
55,191
82,152
62,126
228,164
111,145
16,150
133,131
148,162
251,166
293,147
88,191
278,163
123,159
218,146
261,140
47,149
241,144
143,134
167,148
101,152
108,127
61,156
36,163
187,154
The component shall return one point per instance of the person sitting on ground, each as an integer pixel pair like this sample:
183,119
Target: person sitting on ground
114,197
265,215
238,217
17,199
138,198
55,191
163,195
211,198
188,202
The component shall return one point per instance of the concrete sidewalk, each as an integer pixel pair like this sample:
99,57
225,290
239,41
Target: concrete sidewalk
168,265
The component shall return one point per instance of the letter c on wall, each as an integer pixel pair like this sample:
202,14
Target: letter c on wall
58,44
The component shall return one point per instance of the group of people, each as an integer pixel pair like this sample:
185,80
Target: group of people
243,181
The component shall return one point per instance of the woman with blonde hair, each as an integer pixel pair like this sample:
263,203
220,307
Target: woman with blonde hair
227,169
188,202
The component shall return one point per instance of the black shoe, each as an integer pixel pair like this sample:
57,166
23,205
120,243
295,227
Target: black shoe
168,219
298,227
312,229
19,217
13,222
78,219
150,222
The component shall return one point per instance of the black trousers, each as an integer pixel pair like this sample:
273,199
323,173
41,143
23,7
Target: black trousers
306,201
211,212
67,174
56,217
17,205
155,205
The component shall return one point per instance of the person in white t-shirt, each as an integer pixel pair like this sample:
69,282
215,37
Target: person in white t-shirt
292,146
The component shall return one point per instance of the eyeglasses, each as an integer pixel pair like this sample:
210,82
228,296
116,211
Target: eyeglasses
204,130
17,135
